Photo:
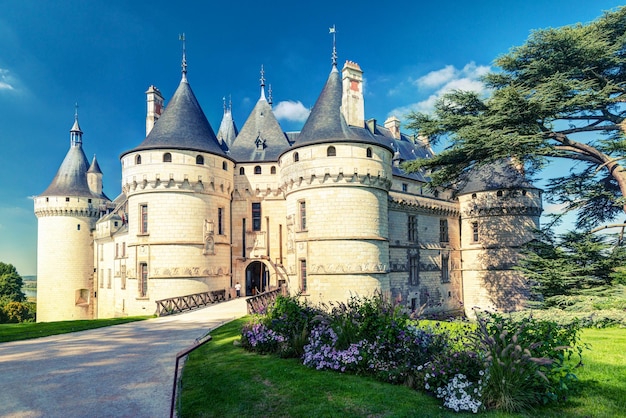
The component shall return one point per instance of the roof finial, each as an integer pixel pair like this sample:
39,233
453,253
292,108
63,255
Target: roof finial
181,37
333,30
269,92
262,82
230,102
224,100
76,111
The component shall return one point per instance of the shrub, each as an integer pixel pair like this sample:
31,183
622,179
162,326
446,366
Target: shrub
255,336
291,318
526,360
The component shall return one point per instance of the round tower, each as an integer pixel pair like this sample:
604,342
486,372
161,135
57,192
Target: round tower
178,183
500,212
336,180
66,215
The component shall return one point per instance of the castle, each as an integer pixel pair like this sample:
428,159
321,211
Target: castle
326,212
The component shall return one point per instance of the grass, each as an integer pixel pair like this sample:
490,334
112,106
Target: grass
28,330
223,380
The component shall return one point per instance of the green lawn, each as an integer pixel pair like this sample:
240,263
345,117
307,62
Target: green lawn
223,380
25,331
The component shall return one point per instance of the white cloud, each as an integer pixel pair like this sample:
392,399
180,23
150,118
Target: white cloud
291,111
444,80
5,80
437,78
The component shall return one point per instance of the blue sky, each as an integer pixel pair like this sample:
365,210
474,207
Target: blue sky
105,54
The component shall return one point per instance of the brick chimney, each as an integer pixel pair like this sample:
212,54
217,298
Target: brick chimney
352,104
155,107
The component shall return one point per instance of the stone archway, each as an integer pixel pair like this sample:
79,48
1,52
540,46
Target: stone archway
257,278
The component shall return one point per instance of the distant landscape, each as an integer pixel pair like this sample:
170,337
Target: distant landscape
30,286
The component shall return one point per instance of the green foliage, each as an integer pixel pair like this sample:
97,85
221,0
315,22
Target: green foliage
15,312
290,316
559,95
10,284
528,360
575,264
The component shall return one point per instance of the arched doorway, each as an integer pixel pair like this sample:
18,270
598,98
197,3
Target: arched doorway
257,278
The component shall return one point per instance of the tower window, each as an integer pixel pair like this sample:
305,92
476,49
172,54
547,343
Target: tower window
303,283
167,157
220,221
412,228
369,153
257,169
296,157
78,227
143,279
413,270
473,195
199,160
302,207
443,230
242,171
273,170
499,193
405,187
331,151
138,159
256,216
445,267
224,166
475,232
143,216
67,199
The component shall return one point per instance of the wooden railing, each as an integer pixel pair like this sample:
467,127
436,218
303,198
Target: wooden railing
259,303
188,302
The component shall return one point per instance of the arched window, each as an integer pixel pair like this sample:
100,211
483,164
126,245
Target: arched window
242,171
257,169
224,166
167,157
369,153
138,159
331,151
273,170
499,193
199,160
474,196
296,157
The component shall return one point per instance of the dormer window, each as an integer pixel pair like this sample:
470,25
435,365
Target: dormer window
199,160
331,151
138,159
260,143
167,157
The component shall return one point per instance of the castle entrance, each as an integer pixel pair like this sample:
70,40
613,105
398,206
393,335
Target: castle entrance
257,278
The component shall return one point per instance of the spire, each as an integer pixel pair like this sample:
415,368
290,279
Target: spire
184,63
333,30
262,83
76,135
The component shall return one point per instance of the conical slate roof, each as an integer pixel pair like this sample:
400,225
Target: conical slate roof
326,122
182,125
227,132
261,137
94,167
71,179
498,175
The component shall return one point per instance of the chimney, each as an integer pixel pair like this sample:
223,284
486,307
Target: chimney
155,107
352,104
393,124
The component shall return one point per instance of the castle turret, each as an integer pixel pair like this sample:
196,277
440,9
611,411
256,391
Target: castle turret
94,177
336,180
177,183
227,132
500,212
67,212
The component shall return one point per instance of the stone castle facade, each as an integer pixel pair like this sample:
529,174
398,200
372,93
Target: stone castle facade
326,212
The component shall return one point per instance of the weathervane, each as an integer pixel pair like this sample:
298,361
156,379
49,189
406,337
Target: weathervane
269,92
76,111
262,82
333,30
181,37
